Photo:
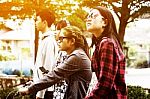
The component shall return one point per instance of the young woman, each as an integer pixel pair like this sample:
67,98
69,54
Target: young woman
76,69
60,88
108,60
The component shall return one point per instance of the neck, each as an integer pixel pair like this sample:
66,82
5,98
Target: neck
45,30
97,33
70,50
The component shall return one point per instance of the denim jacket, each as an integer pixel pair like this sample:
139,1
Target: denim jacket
76,70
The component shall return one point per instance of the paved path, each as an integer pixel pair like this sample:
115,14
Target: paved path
138,77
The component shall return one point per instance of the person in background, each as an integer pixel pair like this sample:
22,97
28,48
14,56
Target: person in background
59,25
76,69
108,60
47,50
60,88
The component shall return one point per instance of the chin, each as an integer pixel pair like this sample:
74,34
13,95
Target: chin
61,49
89,30
37,29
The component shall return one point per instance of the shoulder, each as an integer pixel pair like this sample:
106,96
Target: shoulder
77,57
78,52
106,42
49,34
111,44
49,37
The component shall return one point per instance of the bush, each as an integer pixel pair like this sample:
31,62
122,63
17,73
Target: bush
6,56
134,92
137,92
16,72
9,93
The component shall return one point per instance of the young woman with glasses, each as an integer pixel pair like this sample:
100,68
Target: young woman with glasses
76,69
108,60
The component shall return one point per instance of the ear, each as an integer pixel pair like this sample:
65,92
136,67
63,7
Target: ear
73,41
45,22
105,22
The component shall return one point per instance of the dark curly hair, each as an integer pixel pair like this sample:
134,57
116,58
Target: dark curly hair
77,34
47,15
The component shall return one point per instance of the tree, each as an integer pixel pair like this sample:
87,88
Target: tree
77,18
126,10
21,9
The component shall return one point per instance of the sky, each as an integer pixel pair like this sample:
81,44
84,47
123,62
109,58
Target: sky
138,31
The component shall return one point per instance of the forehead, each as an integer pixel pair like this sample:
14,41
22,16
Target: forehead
38,18
95,11
62,32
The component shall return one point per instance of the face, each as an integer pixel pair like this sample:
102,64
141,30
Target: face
57,32
39,24
95,22
65,43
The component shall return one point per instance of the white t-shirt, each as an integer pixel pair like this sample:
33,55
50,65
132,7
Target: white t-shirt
46,56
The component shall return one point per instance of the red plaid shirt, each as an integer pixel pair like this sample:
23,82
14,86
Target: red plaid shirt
108,62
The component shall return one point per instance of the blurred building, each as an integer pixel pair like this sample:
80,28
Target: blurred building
17,41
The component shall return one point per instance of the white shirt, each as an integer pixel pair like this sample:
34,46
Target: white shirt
46,55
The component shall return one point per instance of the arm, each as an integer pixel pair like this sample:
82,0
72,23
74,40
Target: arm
107,73
69,67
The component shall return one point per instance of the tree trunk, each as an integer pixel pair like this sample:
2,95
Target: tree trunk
125,13
122,28
36,44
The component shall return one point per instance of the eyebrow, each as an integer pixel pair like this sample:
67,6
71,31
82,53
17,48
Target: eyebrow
35,18
86,16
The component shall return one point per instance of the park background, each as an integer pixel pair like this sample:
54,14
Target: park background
19,38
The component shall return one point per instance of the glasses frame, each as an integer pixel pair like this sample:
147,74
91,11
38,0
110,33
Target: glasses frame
92,16
61,38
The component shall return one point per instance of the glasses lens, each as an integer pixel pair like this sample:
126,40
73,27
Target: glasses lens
61,38
92,15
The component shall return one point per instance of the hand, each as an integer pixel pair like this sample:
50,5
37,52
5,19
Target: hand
29,83
23,91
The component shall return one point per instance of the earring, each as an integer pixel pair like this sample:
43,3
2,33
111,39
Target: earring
103,26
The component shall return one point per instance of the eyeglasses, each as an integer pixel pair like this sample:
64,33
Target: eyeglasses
92,15
61,38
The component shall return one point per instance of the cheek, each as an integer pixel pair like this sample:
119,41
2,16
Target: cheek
62,46
40,24
97,23
37,25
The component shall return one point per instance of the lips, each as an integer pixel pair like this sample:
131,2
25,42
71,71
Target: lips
88,24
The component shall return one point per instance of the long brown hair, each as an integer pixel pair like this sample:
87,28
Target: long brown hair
110,30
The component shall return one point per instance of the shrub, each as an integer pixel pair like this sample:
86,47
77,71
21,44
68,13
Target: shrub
9,93
6,56
137,92
134,92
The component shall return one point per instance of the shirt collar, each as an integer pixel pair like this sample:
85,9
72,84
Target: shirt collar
48,33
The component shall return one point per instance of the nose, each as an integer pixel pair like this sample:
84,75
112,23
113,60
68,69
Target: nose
59,41
87,19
